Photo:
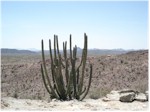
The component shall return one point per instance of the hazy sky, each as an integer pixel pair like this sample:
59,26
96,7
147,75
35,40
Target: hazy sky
108,24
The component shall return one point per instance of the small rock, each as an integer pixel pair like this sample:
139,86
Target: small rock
127,97
112,96
141,97
146,93
105,99
53,100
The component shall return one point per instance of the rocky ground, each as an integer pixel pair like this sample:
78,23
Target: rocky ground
9,103
21,78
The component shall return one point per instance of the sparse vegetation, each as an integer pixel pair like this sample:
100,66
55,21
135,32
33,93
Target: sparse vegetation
115,79
99,93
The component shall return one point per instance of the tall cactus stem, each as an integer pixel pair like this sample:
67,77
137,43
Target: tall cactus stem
89,84
84,56
46,74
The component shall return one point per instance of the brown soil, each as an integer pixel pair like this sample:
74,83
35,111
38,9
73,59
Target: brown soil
21,75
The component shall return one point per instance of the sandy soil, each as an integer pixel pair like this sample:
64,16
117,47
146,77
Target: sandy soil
9,103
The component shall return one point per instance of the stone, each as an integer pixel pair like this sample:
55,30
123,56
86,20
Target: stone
112,96
141,97
127,97
54,100
146,93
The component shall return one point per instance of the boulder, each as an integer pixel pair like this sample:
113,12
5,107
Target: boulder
112,96
127,97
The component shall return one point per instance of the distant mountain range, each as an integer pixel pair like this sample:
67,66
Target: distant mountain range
16,51
79,50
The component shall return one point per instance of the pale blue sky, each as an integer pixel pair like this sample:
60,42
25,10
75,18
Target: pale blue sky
109,25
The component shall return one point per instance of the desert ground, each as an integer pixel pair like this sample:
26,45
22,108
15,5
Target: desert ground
22,87
9,103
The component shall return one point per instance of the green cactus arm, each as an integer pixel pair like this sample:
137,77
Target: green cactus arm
55,52
43,77
60,81
52,64
71,73
57,44
65,50
59,63
74,71
89,84
75,52
84,56
66,61
50,51
77,76
60,73
59,85
69,86
70,49
53,68
83,91
46,74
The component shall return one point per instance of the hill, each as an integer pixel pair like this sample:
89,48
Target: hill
21,75
6,51
15,51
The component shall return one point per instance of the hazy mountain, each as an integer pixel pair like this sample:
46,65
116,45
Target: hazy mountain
33,49
16,51
79,51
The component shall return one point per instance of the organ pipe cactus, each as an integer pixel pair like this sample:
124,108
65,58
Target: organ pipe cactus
69,84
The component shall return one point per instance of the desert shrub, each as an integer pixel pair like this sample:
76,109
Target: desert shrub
15,95
99,93
94,95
